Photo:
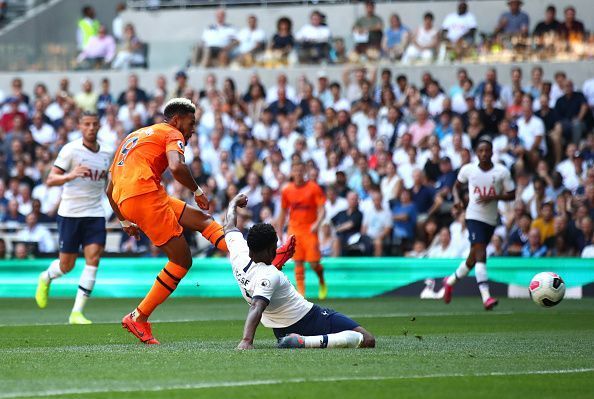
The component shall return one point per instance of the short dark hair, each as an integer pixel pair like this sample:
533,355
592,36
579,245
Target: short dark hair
88,113
485,139
428,15
178,106
261,236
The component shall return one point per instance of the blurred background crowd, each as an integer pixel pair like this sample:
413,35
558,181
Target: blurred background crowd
386,151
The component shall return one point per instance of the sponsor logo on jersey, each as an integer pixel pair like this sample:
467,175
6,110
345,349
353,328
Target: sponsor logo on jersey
180,144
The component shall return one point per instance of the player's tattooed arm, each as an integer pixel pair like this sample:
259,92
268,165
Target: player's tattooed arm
240,200
251,323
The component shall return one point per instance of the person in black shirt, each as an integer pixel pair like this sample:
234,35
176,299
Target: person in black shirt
553,127
572,110
490,116
283,40
549,25
347,223
133,85
573,30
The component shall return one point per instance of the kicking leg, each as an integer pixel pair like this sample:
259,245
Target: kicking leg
180,261
56,269
86,283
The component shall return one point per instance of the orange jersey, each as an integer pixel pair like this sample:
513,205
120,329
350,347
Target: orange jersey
302,202
141,160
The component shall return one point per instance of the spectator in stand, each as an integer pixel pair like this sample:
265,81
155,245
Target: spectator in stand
252,41
515,21
367,32
531,131
573,30
347,225
534,248
87,99
218,41
7,121
544,223
33,232
572,110
88,27
43,133
422,128
313,40
459,26
282,42
444,247
507,92
105,99
98,52
424,42
377,223
549,26
395,39
140,94
490,80
404,215
131,52
117,25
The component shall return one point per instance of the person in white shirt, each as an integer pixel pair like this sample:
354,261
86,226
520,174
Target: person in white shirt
531,131
488,183
313,39
33,232
460,25
218,41
81,167
445,248
588,251
377,222
43,133
424,42
296,322
252,40
99,51
588,90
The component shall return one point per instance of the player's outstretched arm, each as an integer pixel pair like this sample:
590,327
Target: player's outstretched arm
181,172
251,323
240,200
59,177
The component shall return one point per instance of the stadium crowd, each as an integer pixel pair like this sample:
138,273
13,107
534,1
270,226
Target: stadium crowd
372,38
385,151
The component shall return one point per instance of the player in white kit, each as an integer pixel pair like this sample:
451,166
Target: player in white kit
81,167
487,184
297,323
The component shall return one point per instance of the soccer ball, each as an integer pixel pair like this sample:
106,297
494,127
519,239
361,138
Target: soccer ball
547,289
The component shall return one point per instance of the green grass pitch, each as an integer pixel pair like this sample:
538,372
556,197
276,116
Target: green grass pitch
425,349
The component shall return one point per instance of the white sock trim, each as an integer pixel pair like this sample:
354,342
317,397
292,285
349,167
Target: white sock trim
461,272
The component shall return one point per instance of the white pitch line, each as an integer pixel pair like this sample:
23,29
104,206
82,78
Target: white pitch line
238,318
231,384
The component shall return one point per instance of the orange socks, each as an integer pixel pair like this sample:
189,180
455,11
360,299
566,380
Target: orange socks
300,278
166,283
214,233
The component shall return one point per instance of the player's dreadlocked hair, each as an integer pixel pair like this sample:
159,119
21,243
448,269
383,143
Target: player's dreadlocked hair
261,236
178,106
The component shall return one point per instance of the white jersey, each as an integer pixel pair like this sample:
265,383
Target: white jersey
285,305
82,196
495,181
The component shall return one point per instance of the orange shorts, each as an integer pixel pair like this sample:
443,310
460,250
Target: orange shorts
156,213
307,248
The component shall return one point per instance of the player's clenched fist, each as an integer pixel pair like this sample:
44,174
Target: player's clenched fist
201,200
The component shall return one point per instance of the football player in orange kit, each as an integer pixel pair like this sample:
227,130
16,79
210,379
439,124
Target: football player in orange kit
141,203
304,202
